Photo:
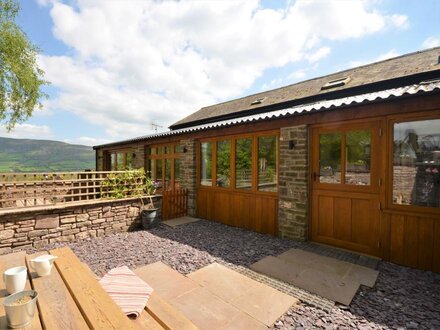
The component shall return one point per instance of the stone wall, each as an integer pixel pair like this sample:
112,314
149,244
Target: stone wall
293,217
188,173
139,156
99,159
42,226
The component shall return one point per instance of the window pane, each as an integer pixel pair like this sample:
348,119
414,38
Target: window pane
416,177
120,161
112,162
151,168
168,163
152,151
267,163
129,161
159,173
206,164
167,149
357,153
177,173
243,164
159,150
330,158
223,163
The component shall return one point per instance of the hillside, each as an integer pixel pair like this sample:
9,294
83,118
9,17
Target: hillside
24,155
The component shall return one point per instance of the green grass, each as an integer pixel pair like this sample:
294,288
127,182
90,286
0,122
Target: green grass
24,155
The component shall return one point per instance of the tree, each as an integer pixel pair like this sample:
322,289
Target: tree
20,77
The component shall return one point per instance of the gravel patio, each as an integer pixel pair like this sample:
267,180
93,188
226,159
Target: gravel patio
402,297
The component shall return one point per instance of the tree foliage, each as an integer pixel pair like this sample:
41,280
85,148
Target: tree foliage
20,77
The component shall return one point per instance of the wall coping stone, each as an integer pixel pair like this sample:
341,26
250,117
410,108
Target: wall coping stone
44,208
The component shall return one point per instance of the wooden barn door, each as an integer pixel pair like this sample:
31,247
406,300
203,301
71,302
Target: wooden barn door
345,176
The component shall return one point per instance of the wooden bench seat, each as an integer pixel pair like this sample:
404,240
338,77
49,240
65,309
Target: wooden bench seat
96,306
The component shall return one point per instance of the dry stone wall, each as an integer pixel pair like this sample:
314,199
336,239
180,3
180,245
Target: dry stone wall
32,228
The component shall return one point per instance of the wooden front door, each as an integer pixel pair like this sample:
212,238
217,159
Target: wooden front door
345,175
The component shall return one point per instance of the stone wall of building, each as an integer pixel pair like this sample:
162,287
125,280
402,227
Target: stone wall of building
139,156
188,172
99,160
293,217
32,228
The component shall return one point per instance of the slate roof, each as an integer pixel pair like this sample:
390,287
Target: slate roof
421,88
426,61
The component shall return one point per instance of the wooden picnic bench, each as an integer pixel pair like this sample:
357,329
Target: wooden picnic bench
71,298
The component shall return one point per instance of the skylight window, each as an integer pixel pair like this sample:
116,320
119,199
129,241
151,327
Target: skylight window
336,83
258,101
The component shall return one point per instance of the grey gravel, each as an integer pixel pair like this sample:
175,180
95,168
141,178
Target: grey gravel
402,298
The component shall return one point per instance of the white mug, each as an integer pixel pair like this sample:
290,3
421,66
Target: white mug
15,279
42,264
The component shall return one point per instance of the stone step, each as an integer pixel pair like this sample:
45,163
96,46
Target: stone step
324,284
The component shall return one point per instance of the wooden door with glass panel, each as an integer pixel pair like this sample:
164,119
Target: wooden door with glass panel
346,186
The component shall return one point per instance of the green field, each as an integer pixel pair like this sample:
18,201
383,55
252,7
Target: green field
24,155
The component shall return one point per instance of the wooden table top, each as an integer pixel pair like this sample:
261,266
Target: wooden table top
72,298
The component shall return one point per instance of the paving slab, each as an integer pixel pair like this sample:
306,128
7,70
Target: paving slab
264,303
204,309
258,300
346,270
327,285
216,297
243,322
222,281
173,223
166,282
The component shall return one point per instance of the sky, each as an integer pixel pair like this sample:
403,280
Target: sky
116,67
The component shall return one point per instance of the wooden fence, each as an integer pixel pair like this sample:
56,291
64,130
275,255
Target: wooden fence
174,203
21,190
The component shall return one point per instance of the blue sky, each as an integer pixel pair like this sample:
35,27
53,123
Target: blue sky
115,67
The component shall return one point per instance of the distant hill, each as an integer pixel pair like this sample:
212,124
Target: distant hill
25,155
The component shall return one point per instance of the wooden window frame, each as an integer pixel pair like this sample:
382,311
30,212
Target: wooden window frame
124,153
173,155
405,209
233,139
345,127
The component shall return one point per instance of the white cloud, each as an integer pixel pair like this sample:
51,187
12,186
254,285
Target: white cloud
431,42
87,141
27,131
139,62
319,54
400,21
298,74
389,54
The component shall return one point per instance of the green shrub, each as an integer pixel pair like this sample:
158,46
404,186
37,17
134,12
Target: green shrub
134,183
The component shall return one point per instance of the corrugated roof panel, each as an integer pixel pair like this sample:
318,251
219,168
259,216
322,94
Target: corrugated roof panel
317,106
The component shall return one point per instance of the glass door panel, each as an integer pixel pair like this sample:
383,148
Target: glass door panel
330,157
358,157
